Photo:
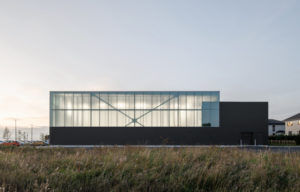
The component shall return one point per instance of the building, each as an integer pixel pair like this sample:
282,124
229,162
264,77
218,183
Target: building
276,127
292,125
154,118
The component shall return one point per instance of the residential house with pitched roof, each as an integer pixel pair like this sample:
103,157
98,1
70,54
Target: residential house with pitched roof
292,125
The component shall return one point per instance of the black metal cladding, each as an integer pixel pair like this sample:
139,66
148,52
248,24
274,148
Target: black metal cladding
240,123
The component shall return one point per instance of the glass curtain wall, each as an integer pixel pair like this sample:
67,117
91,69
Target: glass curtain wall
134,109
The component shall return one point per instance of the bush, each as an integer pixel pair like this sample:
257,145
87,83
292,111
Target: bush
296,138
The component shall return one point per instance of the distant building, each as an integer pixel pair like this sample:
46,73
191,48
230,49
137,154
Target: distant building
276,127
292,125
155,118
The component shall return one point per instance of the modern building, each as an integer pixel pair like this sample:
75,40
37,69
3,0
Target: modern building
292,125
155,117
276,127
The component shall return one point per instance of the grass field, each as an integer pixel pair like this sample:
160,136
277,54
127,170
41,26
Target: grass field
147,169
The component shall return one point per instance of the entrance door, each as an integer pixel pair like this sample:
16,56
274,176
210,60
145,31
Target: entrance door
247,138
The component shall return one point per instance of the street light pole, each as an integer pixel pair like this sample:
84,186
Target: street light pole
15,129
31,132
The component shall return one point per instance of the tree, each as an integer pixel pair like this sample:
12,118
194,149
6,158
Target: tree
6,134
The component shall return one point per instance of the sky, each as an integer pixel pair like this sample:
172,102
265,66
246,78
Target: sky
248,50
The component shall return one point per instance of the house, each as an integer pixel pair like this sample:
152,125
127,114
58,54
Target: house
155,118
292,125
276,127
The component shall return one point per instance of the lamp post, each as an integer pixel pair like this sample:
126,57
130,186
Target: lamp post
15,129
31,132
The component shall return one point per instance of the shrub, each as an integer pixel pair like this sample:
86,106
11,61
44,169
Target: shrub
296,138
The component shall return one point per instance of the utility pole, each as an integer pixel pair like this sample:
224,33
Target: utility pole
15,129
31,132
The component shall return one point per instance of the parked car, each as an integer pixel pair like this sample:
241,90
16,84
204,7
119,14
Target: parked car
38,143
11,143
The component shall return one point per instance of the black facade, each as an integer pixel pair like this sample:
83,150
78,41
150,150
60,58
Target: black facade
240,123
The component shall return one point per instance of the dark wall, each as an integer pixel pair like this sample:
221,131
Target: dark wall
238,120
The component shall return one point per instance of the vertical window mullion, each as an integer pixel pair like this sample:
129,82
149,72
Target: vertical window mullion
178,110
64,110
91,109
81,109
117,105
134,105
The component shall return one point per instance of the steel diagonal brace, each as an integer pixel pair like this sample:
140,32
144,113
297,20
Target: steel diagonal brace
120,111
168,100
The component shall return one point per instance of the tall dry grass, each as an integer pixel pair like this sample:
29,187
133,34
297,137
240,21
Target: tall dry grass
147,169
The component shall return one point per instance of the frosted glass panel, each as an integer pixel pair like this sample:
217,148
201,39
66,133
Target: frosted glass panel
113,101
95,118
190,102
164,118
103,99
52,118
77,118
156,101
215,97
129,120
104,119
129,101
139,101
68,118
129,109
68,101
121,102
198,101
95,101
86,101
182,102
182,118
173,118
77,101
174,103
59,118
198,118
190,117
138,116
156,118
147,101
206,97
121,120
59,101
165,104
86,118
147,120
112,118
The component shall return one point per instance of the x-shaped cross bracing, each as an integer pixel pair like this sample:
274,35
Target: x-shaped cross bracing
135,120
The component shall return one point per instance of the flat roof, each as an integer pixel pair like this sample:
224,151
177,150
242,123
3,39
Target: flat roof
135,92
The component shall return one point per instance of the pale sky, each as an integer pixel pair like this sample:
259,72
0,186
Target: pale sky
248,50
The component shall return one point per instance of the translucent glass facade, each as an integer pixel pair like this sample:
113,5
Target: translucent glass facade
134,109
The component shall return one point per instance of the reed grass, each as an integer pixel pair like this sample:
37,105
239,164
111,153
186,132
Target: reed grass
147,169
